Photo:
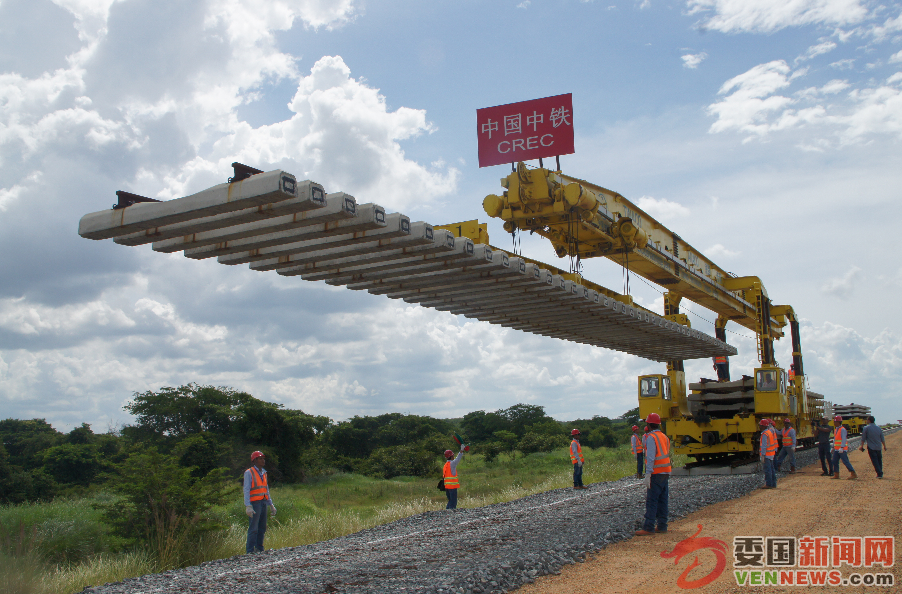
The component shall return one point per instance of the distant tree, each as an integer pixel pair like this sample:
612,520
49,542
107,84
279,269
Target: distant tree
80,435
479,426
229,418
631,417
26,440
599,437
401,460
532,442
548,427
178,412
73,464
522,416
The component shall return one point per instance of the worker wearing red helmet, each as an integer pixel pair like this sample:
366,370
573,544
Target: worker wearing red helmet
841,448
638,445
768,452
449,475
256,501
788,443
576,456
657,478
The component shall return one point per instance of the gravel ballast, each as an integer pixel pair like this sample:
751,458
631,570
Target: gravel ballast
467,551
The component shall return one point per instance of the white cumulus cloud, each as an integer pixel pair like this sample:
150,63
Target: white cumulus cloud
693,60
767,16
661,208
843,286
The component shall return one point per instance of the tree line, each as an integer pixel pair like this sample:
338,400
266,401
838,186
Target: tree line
203,434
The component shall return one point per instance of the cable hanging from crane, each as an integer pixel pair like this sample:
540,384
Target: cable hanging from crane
695,314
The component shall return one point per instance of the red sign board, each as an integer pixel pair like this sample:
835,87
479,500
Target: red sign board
525,130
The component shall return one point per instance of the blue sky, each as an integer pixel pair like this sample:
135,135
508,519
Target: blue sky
764,132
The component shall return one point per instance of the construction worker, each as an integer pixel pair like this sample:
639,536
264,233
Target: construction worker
872,437
638,446
722,368
256,500
788,436
576,456
449,474
823,447
657,478
841,448
767,453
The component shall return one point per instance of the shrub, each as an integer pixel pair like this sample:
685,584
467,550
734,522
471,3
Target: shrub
164,506
402,460
535,442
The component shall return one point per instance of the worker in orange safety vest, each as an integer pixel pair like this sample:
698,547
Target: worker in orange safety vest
256,501
657,478
841,448
767,452
449,475
638,445
576,457
788,443
722,367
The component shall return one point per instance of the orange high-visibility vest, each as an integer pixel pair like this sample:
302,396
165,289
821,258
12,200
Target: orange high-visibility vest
837,440
259,490
661,463
579,452
451,480
770,449
637,444
720,359
787,439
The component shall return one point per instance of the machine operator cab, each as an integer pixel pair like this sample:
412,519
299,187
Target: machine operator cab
770,392
655,396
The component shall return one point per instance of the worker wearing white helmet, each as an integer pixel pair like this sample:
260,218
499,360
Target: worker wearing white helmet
256,501
841,448
657,478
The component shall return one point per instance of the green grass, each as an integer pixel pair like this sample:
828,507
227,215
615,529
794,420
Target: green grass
64,546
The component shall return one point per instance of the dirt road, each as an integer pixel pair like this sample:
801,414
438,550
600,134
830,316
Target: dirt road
804,504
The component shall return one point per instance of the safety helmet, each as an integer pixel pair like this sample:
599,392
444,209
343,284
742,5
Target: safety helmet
654,418
647,428
837,419
787,421
635,427
257,454
449,454
574,432
765,422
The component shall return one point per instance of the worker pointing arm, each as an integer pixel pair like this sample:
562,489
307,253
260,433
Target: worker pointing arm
449,475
